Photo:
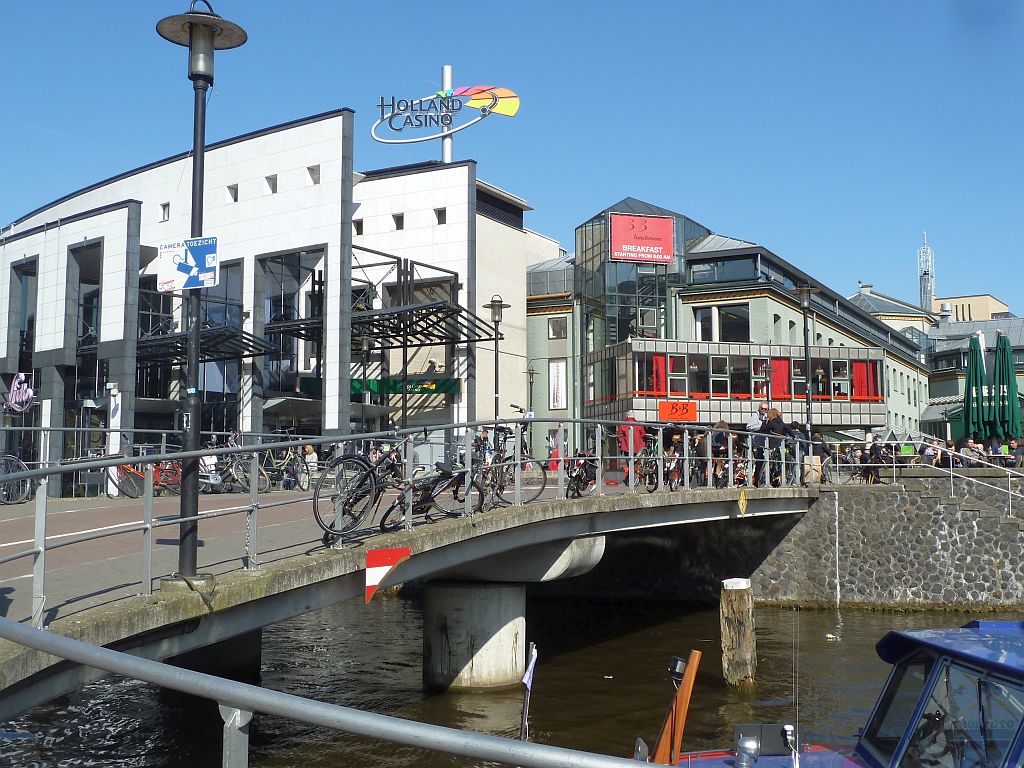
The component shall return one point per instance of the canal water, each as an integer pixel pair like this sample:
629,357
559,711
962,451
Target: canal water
600,683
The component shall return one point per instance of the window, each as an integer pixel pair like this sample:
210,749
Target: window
357,227
557,383
761,373
558,327
649,374
165,211
883,733
841,379
399,219
703,324
441,214
793,337
232,193
719,376
677,374
734,323
313,174
270,185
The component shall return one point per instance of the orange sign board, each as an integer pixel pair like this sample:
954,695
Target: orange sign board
677,410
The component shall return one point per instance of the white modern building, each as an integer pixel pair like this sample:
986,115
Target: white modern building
282,336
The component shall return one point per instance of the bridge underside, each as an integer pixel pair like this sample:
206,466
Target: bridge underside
539,542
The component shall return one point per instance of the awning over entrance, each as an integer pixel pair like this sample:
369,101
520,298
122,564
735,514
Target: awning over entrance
421,325
222,342
293,407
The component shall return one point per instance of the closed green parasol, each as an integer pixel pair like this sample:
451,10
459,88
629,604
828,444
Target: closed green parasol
974,392
1004,419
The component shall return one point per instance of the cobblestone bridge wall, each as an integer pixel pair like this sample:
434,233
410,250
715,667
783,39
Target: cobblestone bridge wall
906,545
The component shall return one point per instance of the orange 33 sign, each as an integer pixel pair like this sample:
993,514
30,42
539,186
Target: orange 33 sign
677,410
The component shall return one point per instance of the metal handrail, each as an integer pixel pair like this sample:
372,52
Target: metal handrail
246,699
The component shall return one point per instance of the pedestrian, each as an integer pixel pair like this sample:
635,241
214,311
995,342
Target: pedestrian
974,456
820,449
777,431
1016,453
629,434
312,459
758,441
873,459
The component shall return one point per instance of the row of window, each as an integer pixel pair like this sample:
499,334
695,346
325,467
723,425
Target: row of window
398,220
269,188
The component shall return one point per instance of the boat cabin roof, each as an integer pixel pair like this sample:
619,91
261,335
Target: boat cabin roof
995,645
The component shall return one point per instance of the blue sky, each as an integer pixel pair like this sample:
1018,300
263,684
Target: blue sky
831,133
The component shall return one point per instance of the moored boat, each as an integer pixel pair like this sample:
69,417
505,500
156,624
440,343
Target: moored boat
954,699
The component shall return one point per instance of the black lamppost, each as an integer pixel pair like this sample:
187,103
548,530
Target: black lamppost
531,374
804,292
202,32
496,305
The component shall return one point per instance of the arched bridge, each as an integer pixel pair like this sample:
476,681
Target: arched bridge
541,541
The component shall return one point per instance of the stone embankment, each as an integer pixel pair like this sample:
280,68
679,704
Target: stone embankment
908,545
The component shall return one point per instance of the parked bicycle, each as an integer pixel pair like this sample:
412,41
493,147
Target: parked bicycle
288,465
442,491
581,475
498,474
350,488
14,491
129,479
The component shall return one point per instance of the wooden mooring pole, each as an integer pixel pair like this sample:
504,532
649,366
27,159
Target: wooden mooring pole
739,644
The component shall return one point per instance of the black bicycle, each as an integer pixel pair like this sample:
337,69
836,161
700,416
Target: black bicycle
581,476
443,490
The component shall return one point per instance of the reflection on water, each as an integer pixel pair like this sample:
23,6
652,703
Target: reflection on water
601,682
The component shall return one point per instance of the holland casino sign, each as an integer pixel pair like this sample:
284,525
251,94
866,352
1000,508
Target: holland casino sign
407,118
646,239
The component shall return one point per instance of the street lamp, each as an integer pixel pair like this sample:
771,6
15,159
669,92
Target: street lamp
805,292
202,32
531,374
496,305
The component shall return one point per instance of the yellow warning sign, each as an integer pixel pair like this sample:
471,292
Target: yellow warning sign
741,502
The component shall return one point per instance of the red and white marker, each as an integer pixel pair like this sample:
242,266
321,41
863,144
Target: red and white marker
379,563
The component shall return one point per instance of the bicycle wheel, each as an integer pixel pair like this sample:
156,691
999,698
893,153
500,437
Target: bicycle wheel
170,477
301,475
14,491
394,519
534,480
344,495
241,469
127,480
450,496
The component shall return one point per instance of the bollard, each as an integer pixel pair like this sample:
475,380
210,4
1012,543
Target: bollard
560,461
739,644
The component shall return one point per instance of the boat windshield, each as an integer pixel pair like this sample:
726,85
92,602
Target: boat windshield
970,719
896,707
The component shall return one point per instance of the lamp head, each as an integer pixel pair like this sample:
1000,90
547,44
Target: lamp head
202,32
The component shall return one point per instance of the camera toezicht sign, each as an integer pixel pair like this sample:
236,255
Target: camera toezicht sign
187,264
647,239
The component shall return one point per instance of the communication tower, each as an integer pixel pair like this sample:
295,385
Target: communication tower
926,274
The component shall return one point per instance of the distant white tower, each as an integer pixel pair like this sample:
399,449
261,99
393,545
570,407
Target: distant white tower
926,274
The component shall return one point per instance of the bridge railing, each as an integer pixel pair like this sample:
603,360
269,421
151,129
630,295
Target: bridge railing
685,456
238,701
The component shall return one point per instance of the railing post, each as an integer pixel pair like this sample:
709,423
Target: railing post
1009,495
39,559
252,516
147,533
560,460
517,471
661,458
894,465
599,479
468,492
707,459
749,479
728,454
236,736
409,492
684,470
632,464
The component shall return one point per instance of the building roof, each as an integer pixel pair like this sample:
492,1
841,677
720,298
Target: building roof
954,336
879,304
640,208
715,242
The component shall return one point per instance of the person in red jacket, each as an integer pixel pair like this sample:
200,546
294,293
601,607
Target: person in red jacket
630,432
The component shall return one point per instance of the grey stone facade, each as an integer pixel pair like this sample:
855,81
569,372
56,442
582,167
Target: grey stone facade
906,546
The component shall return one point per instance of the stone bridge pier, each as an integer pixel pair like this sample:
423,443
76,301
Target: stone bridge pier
474,615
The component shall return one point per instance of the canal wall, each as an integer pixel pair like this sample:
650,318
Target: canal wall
909,545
